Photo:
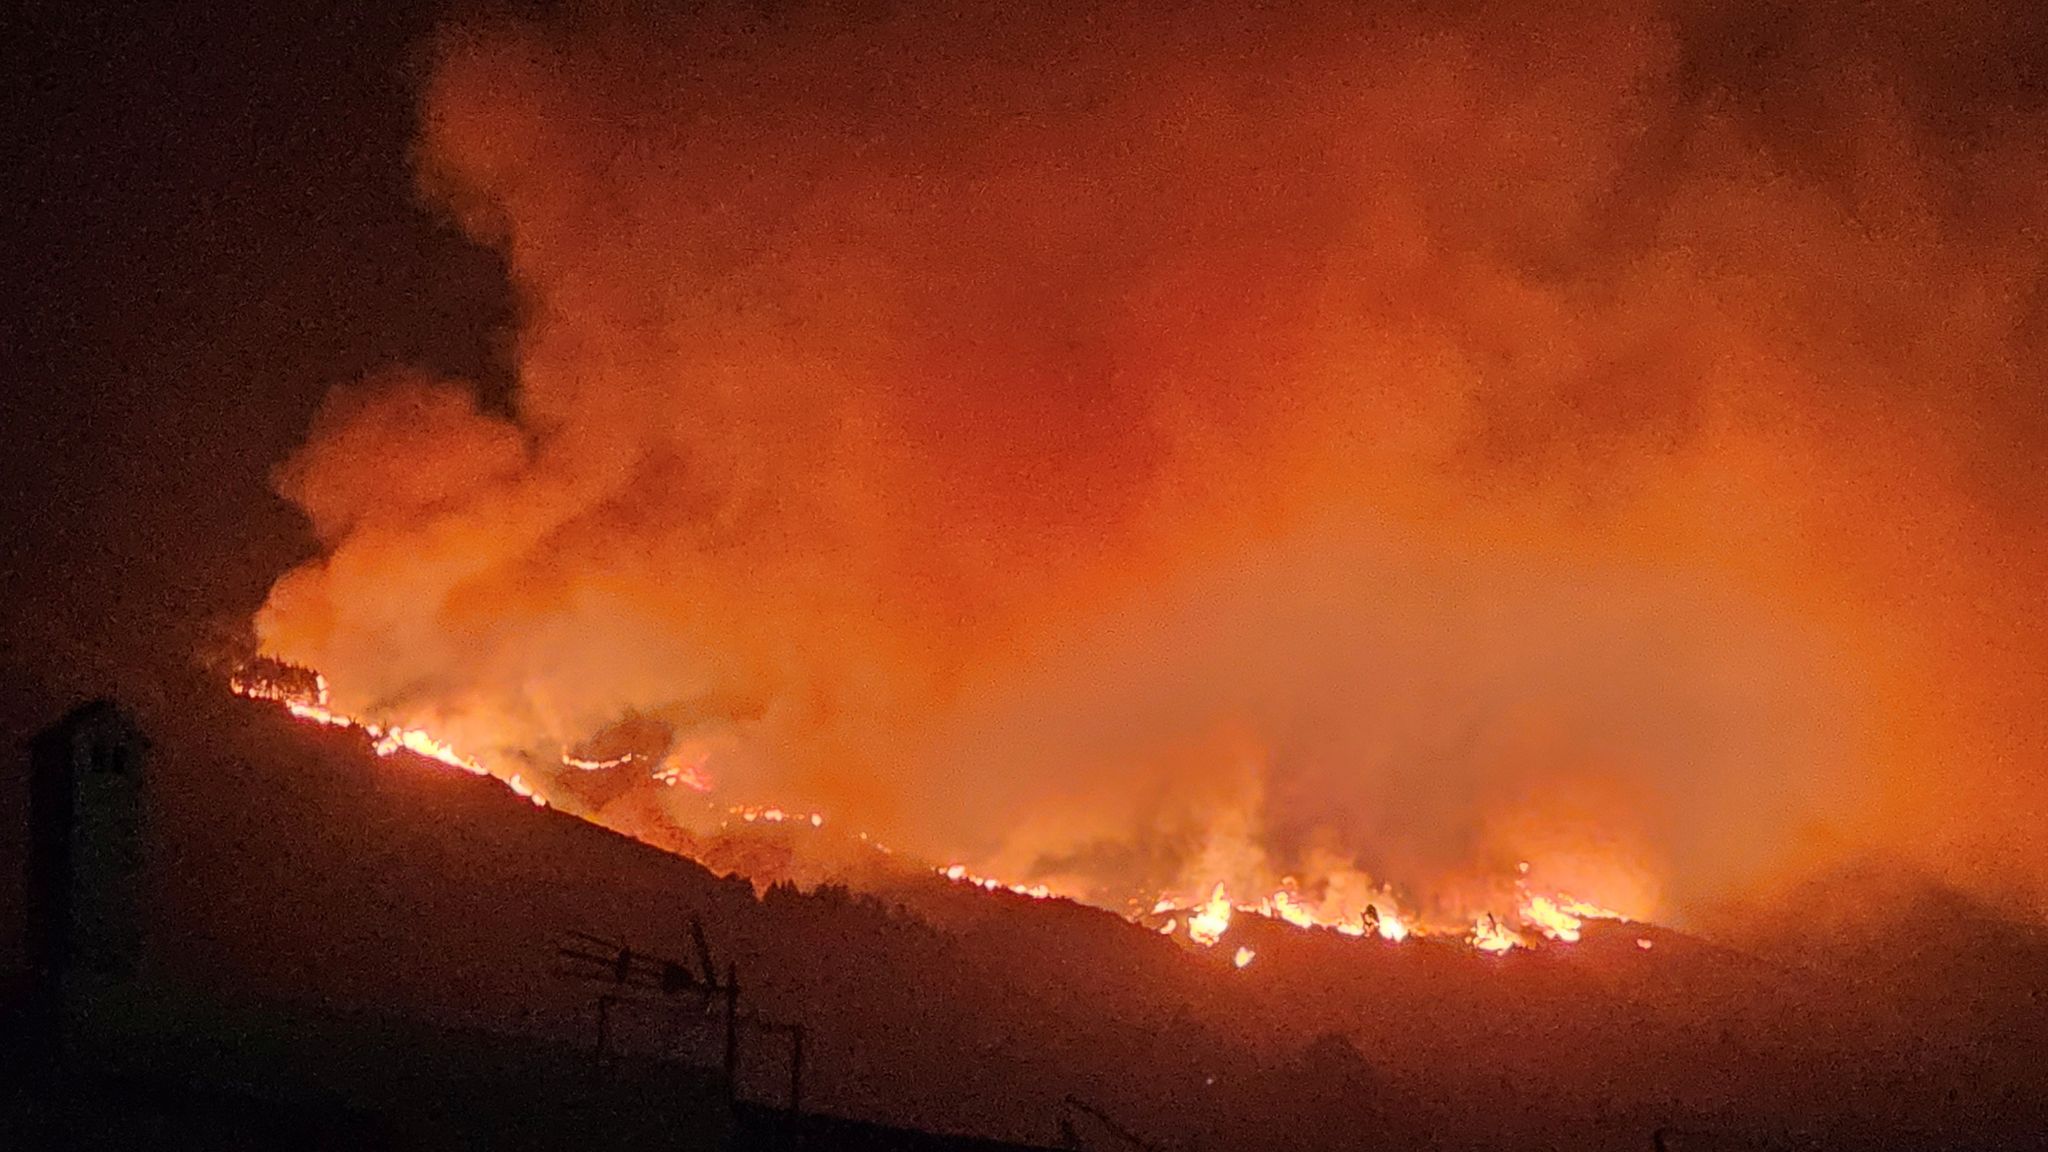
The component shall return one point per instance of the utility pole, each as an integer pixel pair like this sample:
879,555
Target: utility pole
583,956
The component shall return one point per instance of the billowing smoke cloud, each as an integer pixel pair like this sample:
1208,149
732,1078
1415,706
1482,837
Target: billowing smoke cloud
1120,443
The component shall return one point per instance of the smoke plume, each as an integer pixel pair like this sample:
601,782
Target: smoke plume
1130,444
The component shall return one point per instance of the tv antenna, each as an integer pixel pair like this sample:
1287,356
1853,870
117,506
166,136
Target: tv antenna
631,973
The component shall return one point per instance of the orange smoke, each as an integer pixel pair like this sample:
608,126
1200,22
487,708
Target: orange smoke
1134,452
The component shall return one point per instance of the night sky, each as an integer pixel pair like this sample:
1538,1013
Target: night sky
211,221
215,222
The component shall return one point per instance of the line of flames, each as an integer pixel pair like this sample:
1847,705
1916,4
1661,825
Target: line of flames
385,740
1204,920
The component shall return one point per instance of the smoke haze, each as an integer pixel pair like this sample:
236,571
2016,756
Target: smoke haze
1126,446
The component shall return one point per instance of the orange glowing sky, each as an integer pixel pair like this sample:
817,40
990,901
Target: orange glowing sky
1121,449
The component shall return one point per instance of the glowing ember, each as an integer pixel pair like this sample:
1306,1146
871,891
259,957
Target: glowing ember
689,776
1244,956
752,815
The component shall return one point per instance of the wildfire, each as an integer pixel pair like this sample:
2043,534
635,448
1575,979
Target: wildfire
309,701
960,874
1390,926
1209,918
522,788
389,740
1283,905
1555,916
1562,918
1489,936
690,776
750,814
1207,924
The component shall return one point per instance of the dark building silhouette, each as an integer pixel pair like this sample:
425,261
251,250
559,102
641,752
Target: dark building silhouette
121,1050
86,813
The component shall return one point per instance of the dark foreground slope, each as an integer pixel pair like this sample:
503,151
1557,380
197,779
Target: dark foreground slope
294,874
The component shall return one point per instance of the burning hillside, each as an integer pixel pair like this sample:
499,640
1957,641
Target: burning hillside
1414,475
1299,571
1201,920
941,1004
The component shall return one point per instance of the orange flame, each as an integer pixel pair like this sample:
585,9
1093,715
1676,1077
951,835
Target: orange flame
384,740
959,872
1556,917
1207,924
1489,936
752,814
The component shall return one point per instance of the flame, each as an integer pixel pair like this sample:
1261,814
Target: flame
1207,924
751,814
1284,906
1392,928
385,740
1209,917
1586,911
1561,917
690,776
389,740
1489,936
1338,905
1550,919
959,873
